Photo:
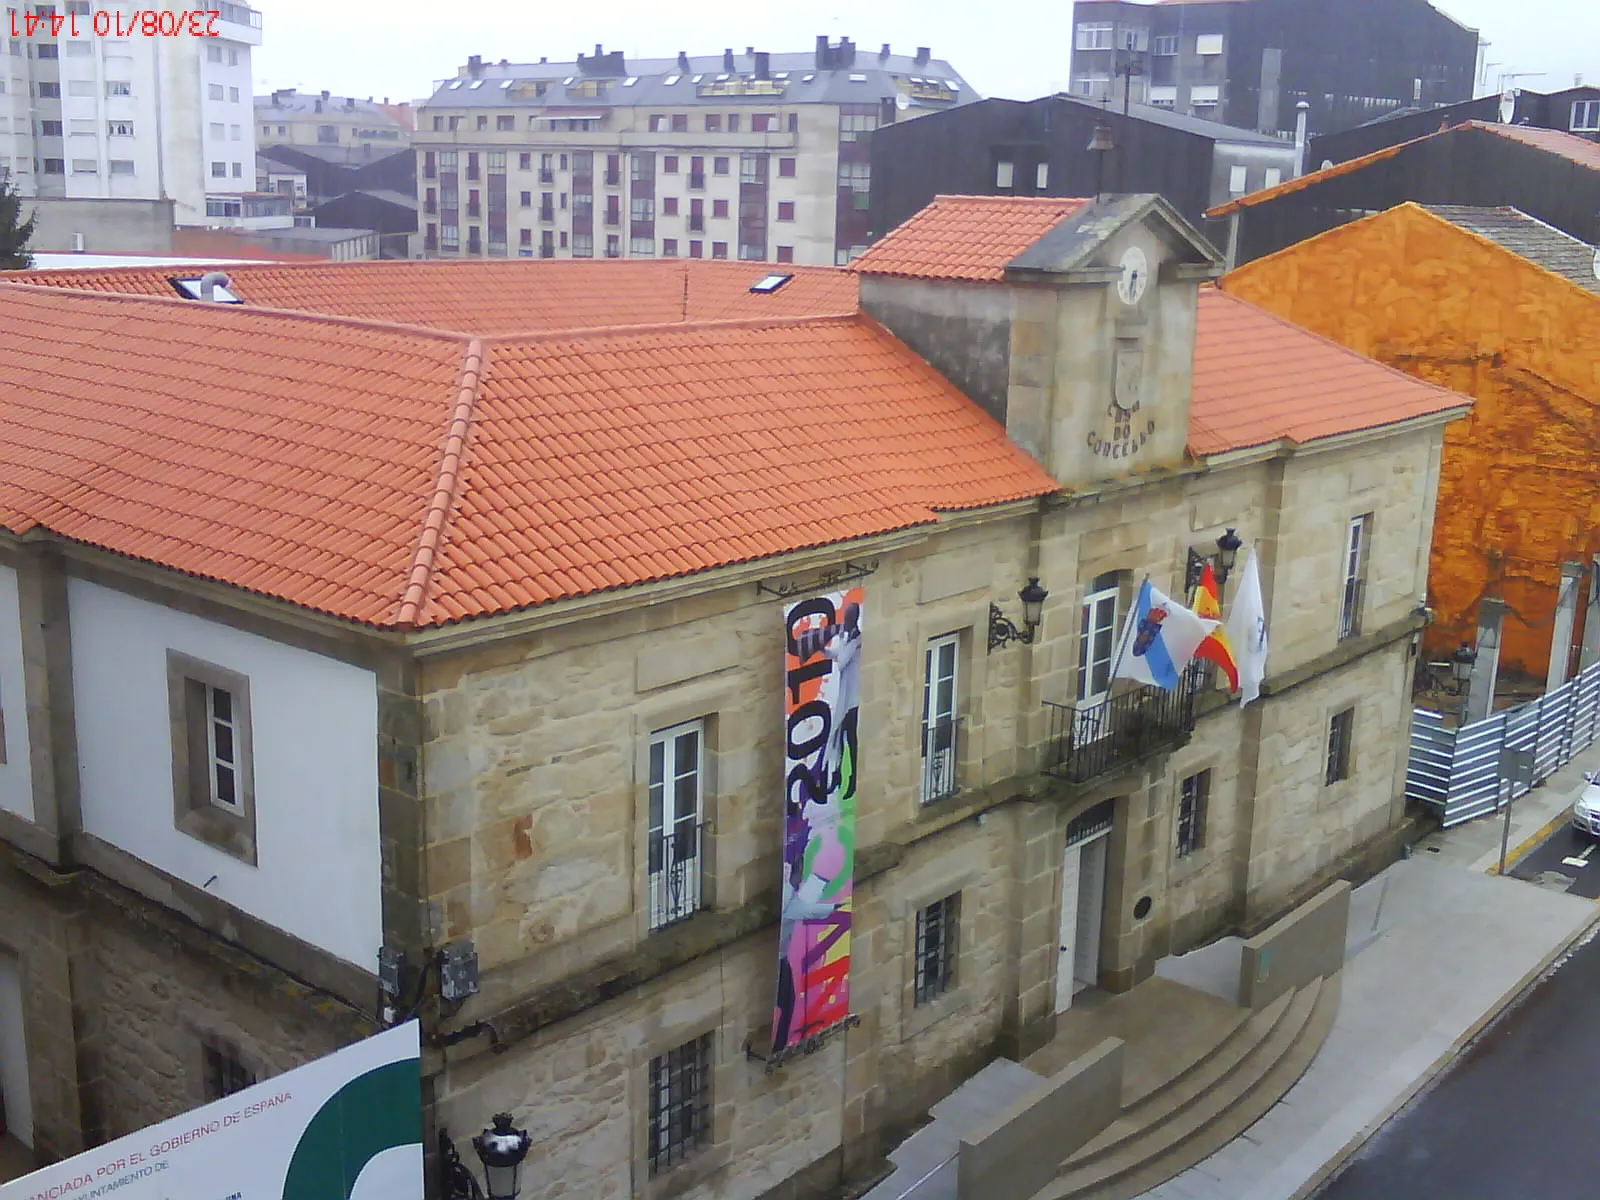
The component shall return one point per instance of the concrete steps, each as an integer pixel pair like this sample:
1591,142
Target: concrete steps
1204,1107
926,1160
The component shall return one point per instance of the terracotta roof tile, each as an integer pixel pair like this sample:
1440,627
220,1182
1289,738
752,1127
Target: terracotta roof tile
966,237
300,456
1259,379
499,297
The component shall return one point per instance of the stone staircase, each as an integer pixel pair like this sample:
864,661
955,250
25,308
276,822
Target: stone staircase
925,1163
1175,1124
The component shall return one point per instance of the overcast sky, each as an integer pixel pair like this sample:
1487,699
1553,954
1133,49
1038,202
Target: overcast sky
1015,48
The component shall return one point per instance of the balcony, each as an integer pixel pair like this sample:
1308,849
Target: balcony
697,223
613,218
674,873
547,213
614,178
1090,740
474,210
697,182
546,175
430,207
1355,591
940,756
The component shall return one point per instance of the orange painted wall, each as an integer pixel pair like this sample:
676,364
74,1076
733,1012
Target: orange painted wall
1519,488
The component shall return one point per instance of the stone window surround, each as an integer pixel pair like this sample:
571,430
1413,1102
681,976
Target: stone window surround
193,811
914,1019
1201,819
679,706
716,1154
963,623
1182,870
203,1030
1127,588
1333,794
1366,512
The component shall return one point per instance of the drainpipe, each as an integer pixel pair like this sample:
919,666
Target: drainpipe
1302,115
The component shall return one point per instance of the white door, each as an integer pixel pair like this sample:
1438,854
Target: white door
1091,907
16,1102
1066,956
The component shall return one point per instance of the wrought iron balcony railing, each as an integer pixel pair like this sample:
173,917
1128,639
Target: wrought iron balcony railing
1355,593
941,754
1089,740
674,873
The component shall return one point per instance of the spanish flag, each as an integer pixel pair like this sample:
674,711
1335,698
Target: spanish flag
1216,647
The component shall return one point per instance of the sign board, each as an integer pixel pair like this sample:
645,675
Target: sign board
821,692
1516,767
346,1127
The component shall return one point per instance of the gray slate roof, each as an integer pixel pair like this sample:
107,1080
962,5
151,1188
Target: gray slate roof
867,80
1528,237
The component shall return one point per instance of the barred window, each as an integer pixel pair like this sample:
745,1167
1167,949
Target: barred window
680,1103
1194,793
938,932
1340,731
223,1072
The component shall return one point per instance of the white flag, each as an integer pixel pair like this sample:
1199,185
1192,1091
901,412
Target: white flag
1159,639
1247,631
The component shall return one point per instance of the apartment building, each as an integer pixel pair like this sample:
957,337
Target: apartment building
1252,62
86,114
753,156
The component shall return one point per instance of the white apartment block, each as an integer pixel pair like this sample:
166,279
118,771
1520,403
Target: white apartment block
88,114
755,156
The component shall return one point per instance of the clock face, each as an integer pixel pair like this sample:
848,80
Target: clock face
1135,276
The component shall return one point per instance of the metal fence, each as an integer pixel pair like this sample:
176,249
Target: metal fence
1457,771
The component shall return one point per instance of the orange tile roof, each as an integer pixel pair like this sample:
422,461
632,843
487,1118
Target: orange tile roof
400,477
1259,379
966,237
1569,146
494,298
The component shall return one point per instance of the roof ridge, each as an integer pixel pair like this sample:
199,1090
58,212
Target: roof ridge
86,294
1501,248
588,331
446,486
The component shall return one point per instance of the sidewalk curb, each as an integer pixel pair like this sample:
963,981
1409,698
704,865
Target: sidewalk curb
1506,1000
1530,843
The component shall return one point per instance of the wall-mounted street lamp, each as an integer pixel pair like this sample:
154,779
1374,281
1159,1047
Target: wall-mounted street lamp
1001,629
1227,554
500,1148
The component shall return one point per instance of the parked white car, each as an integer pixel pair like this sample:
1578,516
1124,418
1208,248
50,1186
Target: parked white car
1586,809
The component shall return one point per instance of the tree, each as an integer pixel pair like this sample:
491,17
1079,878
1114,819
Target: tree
14,231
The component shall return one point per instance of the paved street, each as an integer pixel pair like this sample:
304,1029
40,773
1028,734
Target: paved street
1513,1119
1566,860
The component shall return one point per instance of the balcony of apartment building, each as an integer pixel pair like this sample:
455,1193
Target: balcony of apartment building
1103,734
547,211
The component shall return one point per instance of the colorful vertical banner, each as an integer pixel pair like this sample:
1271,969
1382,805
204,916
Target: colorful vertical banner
821,701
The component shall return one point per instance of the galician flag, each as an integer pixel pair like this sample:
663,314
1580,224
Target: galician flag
1159,639
1247,630
1218,647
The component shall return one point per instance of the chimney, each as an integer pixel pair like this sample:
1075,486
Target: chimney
727,60
847,52
763,65
749,51
884,53
923,55
543,59
325,94
823,56
475,65
209,283
1301,116
318,107
683,60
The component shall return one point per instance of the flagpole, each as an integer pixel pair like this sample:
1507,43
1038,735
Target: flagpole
1127,630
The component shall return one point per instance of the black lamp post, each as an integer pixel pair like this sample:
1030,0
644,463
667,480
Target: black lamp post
1461,661
1227,555
501,1149
1001,628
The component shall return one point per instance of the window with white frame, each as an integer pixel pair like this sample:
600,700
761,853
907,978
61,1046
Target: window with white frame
677,770
1585,116
1204,95
1041,176
211,754
939,719
1095,36
1097,639
1274,177
1003,174
1208,43
1357,535
1238,180
1163,95
1165,45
